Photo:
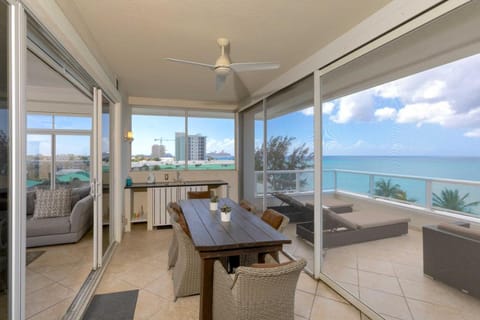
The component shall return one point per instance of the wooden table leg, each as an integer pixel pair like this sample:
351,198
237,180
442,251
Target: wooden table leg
206,289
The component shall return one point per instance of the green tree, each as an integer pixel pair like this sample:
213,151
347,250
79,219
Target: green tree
386,188
452,200
279,158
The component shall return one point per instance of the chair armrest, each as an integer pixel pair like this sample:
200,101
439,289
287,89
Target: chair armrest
82,213
223,304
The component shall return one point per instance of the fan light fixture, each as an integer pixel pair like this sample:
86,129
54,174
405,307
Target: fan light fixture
223,66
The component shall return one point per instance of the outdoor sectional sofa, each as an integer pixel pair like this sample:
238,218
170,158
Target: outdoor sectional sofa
341,224
450,255
60,230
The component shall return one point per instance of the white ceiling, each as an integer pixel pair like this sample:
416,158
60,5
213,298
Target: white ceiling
134,37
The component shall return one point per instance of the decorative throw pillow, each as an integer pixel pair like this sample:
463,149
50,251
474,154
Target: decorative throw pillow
52,203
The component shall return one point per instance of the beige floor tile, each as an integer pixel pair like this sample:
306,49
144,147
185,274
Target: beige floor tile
54,312
330,309
341,259
408,272
76,279
141,275
307,283
40,300
427,311
111,283
186,308
375,265
433,292
149,304
387,317
36,281
326,292
162,286
386,303
379,282
352,289
342,274
303,303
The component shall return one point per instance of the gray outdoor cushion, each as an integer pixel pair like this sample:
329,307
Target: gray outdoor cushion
341,219
471,233
371,219
288,199
47,226
52,203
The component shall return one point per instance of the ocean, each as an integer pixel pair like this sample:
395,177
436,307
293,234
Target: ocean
458,168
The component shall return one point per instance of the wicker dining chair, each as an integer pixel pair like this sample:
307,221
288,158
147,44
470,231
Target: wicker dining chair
248,206
198,194
260,293
173,248
271,217
186,273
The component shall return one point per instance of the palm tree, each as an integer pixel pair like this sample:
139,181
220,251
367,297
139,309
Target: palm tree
452,200
388,189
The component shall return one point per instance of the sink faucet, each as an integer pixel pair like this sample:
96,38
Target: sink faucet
178,176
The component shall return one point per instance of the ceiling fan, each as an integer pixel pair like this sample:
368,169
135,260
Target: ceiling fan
223,66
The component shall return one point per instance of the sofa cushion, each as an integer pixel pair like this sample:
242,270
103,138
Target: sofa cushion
30,202
79,193
52,203
471,233
42,227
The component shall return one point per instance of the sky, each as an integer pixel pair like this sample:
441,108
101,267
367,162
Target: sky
432,113
65,143
220,133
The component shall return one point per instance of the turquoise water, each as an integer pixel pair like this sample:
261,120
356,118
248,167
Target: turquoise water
459,168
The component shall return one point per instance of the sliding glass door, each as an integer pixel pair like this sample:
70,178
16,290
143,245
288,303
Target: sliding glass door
4,159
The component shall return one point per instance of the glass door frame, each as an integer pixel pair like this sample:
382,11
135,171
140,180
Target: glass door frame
17,58
96,181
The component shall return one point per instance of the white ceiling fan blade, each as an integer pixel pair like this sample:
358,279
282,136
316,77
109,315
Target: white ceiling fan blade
220,81
212,67
253,66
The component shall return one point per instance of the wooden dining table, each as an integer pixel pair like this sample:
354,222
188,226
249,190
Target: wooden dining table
212,238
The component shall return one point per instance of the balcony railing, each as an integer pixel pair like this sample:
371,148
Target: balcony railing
407,189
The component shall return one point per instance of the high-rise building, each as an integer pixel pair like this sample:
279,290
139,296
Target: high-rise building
158,151
197,146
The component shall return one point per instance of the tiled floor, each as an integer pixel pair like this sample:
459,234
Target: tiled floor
140,262
54,278
388,275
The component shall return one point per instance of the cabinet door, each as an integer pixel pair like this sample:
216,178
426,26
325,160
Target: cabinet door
156,192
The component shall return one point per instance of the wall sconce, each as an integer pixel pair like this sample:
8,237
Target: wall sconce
129,136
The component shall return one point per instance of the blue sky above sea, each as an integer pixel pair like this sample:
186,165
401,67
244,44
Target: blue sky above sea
432,113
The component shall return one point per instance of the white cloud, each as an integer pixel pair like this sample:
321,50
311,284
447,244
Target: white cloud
358,107
386,113
227,145
420,113
388,90
307,111
328,107
430,90
475,133
447,95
